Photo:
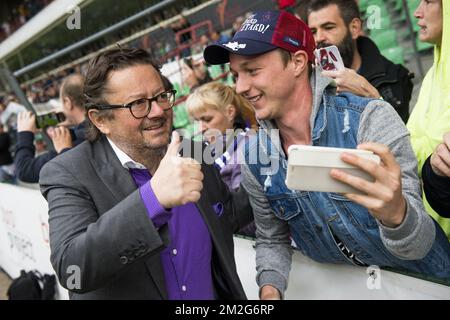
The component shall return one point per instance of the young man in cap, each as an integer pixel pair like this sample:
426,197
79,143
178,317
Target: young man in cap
271,57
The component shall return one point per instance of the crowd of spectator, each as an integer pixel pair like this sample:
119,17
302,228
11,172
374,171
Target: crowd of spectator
20,14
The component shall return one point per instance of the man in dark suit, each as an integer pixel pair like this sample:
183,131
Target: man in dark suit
129,218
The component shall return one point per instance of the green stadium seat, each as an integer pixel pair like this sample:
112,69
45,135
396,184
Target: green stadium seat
394,54
215,71
180,116
422,46
385,25
365,4
230,80
398,5
177,87
385,40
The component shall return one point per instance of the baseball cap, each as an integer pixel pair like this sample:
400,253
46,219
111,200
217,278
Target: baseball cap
262,32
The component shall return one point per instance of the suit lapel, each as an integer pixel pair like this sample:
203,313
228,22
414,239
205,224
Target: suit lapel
115,177
211,220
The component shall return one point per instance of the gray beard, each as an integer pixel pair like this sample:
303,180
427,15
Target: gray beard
149,157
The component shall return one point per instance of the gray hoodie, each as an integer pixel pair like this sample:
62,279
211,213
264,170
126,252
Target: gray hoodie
410,241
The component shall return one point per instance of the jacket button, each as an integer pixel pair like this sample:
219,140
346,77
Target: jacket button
281,210
123,260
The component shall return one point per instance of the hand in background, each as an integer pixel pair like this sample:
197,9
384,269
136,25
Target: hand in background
440,159
348,80
26,121
60,137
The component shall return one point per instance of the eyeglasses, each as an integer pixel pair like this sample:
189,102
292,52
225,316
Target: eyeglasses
140,108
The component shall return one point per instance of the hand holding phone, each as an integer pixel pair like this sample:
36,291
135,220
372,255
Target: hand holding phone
383,197
26,121
309,168
61,138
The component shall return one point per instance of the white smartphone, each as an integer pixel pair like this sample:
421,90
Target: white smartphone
309,168
329,59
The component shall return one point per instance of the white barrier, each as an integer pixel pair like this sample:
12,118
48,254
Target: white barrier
24,245
24,232
311,280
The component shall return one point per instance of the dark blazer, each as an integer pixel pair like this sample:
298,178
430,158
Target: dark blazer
5,143
393,81
99,224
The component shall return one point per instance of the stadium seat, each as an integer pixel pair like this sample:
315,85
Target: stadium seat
215,71
365,4
394,54
180,116
422,46
385,25
385,40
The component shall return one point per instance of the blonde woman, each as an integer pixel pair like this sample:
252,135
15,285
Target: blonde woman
219,111
223,114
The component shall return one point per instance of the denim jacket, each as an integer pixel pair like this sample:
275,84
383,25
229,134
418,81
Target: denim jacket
316,219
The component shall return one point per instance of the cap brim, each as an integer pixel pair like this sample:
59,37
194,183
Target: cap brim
220,53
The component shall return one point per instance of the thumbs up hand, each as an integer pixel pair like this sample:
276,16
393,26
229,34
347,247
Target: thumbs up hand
177,180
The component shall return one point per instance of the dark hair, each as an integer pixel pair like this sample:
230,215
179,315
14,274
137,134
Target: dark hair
348,9
286,57
72,87
166,83
97,77
188,61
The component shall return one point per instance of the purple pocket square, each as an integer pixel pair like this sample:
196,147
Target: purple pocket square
218,208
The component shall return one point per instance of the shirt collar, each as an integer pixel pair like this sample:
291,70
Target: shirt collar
124,159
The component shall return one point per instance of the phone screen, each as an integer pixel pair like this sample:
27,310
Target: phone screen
49,119
329,59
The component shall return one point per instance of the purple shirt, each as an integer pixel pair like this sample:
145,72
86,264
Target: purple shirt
187,260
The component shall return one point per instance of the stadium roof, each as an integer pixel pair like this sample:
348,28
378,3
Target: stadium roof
40,24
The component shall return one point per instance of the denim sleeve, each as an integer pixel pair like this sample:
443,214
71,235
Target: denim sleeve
155,210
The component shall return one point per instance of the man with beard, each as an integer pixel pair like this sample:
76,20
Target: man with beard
367,73
129,218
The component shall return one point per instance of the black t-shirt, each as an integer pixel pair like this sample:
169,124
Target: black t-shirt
5,143
437,190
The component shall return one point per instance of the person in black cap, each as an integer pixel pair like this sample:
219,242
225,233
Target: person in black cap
385,223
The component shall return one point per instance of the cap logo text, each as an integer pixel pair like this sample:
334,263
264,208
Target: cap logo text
235,46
